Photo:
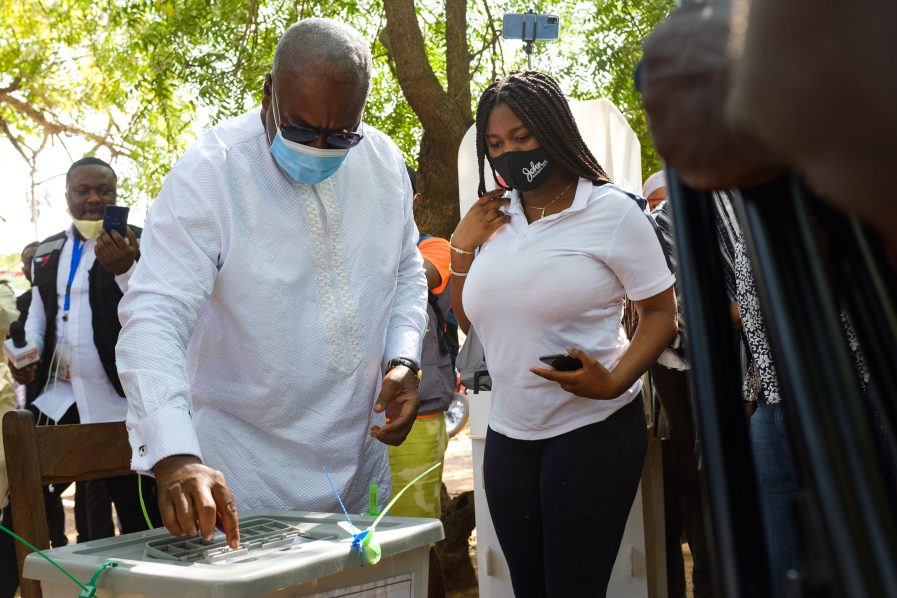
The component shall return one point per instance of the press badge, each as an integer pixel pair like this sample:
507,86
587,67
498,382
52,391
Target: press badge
64,362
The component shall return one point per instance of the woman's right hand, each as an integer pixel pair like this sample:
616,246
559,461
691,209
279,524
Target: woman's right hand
481,221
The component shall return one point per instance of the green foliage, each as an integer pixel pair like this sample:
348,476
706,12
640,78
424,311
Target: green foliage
141,78
10,262
10,271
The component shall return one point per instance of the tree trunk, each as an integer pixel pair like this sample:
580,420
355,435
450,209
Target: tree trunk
437,180
444,115
458,520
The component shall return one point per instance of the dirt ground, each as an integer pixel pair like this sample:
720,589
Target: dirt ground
458,471
458,477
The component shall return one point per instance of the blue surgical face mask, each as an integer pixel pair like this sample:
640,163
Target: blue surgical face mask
305,164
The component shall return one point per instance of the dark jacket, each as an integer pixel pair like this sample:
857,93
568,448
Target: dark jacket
104,296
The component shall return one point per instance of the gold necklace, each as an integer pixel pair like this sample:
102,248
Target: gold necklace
548,205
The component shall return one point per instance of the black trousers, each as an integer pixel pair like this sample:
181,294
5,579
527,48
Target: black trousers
123,492
672,389
560,505
9,573
55,514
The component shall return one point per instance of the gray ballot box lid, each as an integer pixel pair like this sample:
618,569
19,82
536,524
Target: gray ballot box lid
279,549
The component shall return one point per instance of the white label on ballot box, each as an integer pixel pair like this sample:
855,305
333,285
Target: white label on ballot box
401,586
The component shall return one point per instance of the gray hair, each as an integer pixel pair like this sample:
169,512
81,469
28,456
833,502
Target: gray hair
326,46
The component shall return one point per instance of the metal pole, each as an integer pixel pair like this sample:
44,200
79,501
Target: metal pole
738,550
828,420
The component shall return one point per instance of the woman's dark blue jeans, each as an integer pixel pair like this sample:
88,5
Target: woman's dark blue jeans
778,486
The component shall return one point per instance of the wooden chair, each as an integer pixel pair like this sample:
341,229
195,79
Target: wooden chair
41,455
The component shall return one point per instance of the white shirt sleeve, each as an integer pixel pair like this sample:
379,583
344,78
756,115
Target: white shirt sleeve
36,323
122,279
176,274
408,321
636,257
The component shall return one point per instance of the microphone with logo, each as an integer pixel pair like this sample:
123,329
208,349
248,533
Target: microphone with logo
20,352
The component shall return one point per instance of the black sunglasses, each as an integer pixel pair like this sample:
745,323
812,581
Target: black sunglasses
334,138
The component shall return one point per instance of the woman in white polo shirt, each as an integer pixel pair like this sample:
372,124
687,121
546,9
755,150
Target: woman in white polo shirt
540,272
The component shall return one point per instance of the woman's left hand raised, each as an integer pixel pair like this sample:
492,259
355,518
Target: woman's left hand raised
592,381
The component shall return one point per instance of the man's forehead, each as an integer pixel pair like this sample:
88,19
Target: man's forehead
316,99
91,172
311,78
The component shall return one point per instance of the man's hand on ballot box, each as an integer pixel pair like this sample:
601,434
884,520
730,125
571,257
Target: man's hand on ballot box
193,497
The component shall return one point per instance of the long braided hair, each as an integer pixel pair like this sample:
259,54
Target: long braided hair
539,103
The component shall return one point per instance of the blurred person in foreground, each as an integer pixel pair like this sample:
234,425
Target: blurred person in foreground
734,98
740,92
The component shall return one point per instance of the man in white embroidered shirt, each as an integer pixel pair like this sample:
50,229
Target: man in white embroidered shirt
281,279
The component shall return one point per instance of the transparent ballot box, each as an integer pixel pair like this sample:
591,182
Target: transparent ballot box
282,553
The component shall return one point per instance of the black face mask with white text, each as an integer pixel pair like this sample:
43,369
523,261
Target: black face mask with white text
523,171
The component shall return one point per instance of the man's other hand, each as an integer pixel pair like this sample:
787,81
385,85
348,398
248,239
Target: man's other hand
192,496
116,254
25,375
686,79
399,398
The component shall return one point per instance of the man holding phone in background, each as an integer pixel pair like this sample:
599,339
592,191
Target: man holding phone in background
79,276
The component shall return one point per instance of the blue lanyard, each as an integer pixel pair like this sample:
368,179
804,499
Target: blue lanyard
77,250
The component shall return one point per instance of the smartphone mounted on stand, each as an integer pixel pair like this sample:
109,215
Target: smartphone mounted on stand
529,28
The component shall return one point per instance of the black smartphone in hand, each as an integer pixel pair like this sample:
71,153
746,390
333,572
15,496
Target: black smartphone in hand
561,362
116,218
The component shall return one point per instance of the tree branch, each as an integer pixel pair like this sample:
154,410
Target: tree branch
57,128
12,87
43,144
251,22
479,54
12,139
496,35
457,55
635,24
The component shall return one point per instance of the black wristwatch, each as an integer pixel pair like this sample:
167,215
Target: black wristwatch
408,363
